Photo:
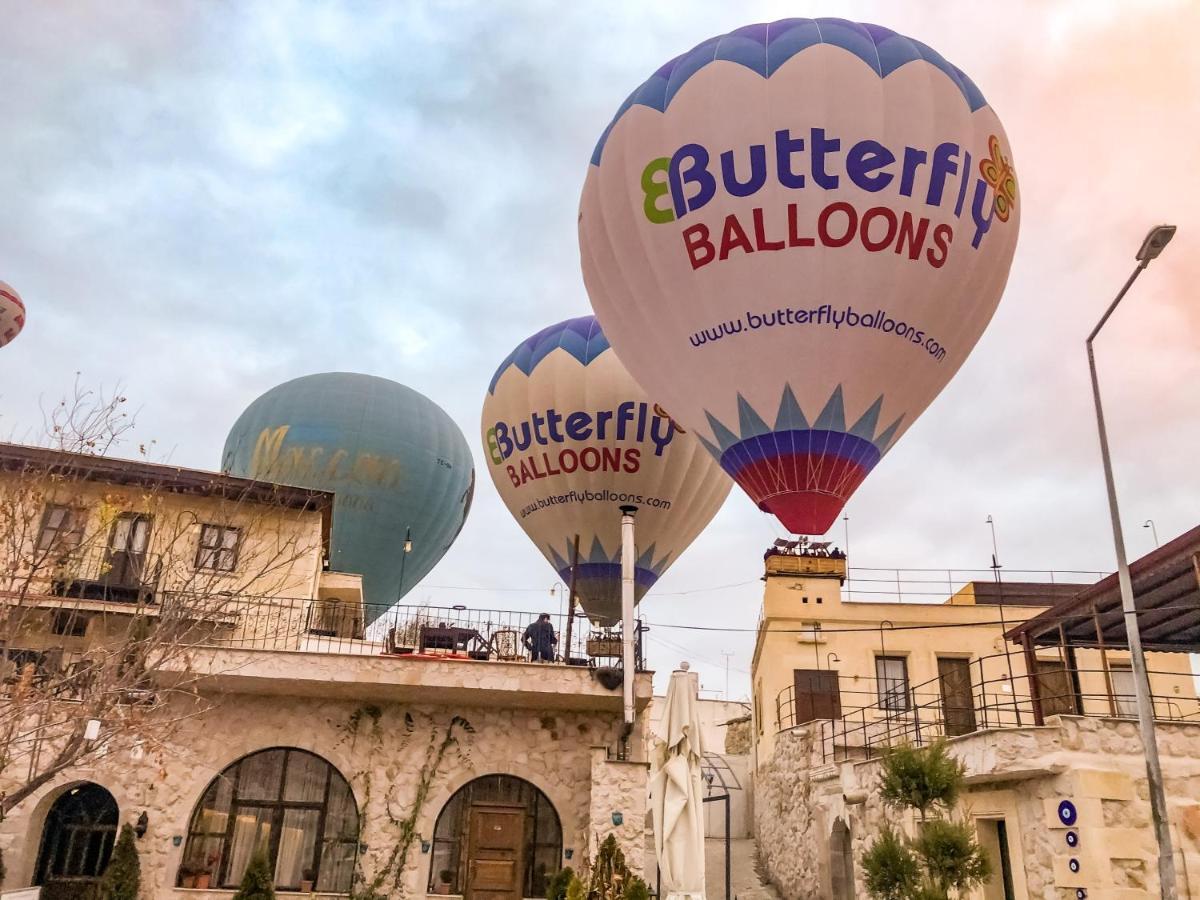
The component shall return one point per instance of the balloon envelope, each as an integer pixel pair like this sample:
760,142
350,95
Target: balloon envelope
12,314
794,235
394,459
570,438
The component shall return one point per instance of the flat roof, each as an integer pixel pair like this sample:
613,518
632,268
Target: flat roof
1023,593
1166,594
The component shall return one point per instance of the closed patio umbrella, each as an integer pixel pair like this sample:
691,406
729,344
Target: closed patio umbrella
676,795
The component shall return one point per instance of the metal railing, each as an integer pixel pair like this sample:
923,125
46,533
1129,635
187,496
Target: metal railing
330,626
935,585
919,714
101,573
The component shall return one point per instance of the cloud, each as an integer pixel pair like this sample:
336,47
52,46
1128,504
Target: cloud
203,200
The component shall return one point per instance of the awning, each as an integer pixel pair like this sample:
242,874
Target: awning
1166,592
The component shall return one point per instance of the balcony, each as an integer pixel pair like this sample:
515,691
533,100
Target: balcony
109,576
806,564
416,653
870,715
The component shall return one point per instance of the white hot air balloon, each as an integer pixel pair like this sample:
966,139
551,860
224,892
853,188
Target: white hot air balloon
793,235
12,314
569,438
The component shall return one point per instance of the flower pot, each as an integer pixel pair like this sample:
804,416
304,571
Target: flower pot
604,647
187,881
442,889
203,881
306,887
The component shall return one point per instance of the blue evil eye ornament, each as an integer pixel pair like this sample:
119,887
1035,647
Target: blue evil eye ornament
1067,814
1073,865
1080,893
1072,839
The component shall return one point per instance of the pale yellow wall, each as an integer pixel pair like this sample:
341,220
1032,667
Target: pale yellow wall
788,640
278,564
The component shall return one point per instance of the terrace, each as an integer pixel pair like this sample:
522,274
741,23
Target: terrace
871,715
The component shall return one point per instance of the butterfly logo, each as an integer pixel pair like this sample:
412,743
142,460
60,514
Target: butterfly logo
998,172
659,411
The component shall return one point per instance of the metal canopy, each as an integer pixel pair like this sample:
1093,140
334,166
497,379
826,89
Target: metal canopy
715,770
1166,591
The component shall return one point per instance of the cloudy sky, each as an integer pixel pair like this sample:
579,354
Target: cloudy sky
201,200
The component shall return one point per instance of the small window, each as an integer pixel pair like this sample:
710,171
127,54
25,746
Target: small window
69,623
62,528
891,676
218,549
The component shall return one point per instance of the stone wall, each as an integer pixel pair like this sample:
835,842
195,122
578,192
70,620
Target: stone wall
1018,775
619,787
382,750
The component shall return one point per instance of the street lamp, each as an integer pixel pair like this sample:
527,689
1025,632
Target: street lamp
1149,523
404,558
1152,246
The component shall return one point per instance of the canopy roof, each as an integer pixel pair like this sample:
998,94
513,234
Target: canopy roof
1166,592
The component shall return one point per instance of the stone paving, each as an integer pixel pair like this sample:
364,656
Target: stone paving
745,881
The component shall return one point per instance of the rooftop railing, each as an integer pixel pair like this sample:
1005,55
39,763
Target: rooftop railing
330,626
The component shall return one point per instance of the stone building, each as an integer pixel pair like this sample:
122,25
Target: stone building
420,754
1030,685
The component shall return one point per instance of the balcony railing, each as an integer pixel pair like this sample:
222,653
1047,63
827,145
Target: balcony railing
329,626
101,573
875,715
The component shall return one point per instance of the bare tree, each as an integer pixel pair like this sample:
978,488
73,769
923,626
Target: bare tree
100,622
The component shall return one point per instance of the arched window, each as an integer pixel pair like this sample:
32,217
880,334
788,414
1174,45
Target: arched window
291,802
77,841
496,834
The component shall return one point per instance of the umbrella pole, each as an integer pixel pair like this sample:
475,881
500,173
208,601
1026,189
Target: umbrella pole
628,562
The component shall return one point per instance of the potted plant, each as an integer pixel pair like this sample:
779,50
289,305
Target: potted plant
308,880
444,878
194,873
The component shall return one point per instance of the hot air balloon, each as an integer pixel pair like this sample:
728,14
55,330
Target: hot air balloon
569,438
12,314
399,467
793,235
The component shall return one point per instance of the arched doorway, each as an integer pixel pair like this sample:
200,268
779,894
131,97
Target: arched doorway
498,838
841,861
77,842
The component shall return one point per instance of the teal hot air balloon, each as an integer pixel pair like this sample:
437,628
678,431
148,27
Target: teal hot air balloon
396,462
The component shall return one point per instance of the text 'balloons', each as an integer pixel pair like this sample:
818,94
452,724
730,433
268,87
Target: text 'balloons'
570,438
793,235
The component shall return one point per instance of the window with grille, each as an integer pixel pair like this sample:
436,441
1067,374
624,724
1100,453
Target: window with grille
218,549
891,676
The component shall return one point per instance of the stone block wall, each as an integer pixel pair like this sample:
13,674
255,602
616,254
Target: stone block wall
619,786
1020,775
390,754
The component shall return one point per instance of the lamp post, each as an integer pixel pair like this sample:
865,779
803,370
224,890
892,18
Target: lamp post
404,558
558,589
1152,246
1149,523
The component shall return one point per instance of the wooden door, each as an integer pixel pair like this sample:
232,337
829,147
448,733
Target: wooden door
816,695
126,559
958,706
1057,689
495,863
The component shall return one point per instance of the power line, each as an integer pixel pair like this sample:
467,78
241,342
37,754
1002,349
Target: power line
872,629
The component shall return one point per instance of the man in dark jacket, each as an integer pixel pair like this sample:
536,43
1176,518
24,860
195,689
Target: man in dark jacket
540,639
